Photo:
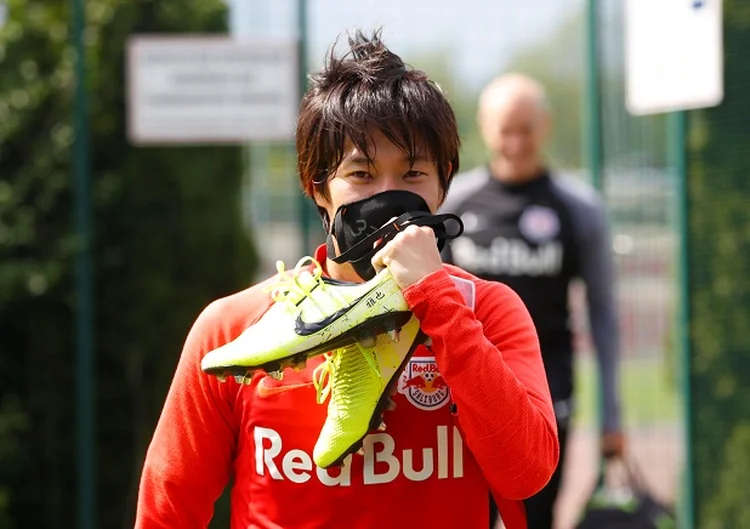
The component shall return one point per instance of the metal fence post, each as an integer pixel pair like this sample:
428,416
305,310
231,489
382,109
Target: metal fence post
592,127
303,203
84,357
677,132
593,155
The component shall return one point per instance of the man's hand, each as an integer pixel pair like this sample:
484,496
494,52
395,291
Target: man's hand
410,256
613,445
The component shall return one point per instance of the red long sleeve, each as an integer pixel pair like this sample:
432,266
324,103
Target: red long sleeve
189,460
492,363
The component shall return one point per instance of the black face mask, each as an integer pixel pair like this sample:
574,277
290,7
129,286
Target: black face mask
358,226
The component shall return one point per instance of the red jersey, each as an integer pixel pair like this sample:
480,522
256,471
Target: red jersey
473,414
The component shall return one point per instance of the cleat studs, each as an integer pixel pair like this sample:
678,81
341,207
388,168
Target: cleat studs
247,380
221,378
381,428
394,335
361,451
276,375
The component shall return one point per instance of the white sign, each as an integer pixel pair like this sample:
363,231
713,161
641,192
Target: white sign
197,90
674,55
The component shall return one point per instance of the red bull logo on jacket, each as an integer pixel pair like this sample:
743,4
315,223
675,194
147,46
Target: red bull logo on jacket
423,385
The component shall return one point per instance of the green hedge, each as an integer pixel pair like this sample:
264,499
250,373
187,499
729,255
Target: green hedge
168,238
719,261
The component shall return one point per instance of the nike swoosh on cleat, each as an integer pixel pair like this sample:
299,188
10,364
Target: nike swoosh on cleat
265,391
303,328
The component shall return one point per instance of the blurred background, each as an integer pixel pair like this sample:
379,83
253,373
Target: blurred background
115,233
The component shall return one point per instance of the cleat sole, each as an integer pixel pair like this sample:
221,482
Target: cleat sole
372,327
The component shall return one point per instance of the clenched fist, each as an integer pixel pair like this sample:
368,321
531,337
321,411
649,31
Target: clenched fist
410,256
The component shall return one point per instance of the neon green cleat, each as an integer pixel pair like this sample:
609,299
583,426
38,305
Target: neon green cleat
359,381
311,315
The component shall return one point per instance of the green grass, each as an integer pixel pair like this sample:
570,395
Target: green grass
648,394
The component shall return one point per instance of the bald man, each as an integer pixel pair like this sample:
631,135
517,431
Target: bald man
537,231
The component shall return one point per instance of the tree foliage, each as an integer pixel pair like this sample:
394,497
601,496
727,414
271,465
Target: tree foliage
556,61
168,238
719,247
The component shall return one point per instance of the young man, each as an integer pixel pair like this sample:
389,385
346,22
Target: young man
535,231
370,129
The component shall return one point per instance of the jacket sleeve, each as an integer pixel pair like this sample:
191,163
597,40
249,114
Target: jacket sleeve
189,460
597,272
493,365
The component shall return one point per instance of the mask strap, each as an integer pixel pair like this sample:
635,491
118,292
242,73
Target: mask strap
366,247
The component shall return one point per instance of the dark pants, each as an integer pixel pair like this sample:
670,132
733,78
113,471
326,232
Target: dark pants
540,507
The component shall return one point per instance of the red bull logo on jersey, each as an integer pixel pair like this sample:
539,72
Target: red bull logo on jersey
382,460
504,256
423,385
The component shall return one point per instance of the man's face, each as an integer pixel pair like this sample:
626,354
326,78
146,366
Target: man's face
355,179
514,130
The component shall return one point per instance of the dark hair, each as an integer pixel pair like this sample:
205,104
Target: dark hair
369,86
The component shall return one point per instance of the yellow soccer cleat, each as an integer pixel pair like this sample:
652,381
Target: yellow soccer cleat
311,315
359,381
